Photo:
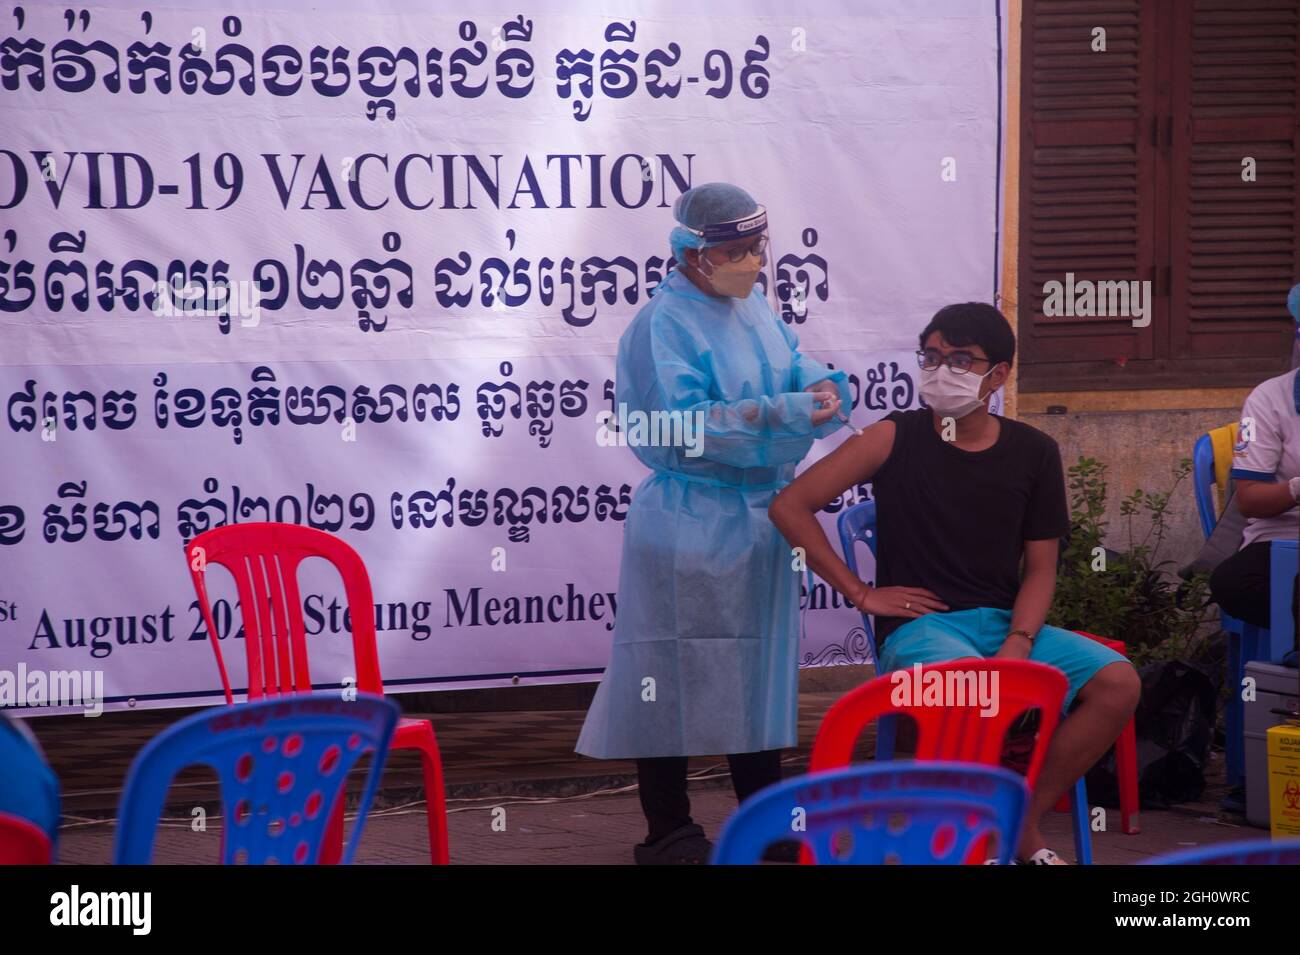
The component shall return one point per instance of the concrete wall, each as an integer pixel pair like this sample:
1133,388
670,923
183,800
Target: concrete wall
1140,448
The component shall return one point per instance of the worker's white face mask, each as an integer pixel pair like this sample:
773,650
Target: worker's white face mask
949,393
735,279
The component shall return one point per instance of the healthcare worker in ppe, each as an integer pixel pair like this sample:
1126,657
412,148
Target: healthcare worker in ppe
704,660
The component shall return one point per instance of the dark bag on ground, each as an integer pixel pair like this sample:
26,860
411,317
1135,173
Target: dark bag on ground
1175,727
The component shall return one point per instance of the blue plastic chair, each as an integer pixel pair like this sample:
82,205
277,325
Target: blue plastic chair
1245,852
874,814
858,523
282,763
1246,641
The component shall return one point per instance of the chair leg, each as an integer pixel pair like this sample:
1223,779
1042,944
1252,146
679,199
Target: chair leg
435,797
886,736
331,850
1079,817
1127,770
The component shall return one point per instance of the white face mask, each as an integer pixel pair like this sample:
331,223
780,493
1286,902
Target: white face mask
949,393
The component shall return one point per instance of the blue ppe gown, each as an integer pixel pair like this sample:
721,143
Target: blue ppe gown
705,659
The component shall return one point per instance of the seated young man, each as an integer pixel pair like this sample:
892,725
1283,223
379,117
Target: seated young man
963,498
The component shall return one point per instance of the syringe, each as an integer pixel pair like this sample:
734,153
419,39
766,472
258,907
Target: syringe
847,423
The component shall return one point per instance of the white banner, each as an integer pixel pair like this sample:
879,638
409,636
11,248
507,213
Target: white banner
397,249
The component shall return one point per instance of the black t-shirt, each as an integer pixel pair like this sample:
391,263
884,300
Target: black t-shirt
954,521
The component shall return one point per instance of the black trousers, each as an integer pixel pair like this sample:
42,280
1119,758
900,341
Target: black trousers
1240,584
663,786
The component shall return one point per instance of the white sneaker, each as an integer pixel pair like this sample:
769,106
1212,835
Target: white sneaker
1043,857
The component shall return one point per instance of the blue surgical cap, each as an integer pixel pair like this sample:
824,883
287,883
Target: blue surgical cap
705,205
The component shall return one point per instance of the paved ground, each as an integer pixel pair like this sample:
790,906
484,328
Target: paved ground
560,808
601,830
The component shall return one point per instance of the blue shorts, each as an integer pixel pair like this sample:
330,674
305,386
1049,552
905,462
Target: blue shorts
940,637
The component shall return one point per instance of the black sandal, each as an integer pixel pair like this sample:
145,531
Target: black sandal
685,846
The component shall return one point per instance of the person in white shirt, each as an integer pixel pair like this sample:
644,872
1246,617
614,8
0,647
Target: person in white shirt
1266,471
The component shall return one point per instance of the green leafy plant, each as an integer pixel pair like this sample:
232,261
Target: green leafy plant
1128,594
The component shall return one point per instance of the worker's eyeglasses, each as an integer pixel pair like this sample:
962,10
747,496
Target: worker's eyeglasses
756,248
958,361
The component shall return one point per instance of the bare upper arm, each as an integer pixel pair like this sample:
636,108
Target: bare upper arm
1248,496
853,462
1042,555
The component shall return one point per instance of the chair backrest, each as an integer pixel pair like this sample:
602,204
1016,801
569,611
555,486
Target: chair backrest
1202,482
22,842
282,764
1211,463
1244,852
263,558
858,523
879,814
963,710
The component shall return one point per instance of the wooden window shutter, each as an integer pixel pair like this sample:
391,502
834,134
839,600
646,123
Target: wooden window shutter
1088,176
1234,247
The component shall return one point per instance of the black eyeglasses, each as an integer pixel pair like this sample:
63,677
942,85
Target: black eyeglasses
757,247
959,362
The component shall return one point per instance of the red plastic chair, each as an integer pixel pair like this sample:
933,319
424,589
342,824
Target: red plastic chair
954,733
1126,760
22,842
264,558
957,733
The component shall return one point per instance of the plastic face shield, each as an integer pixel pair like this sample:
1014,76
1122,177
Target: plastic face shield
751,225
